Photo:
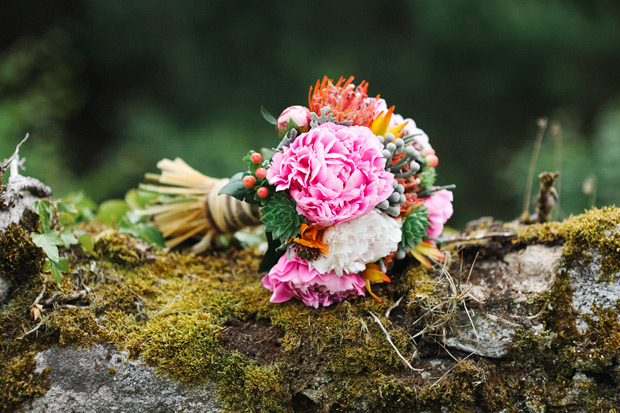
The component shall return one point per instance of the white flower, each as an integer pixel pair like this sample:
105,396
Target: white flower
420,138
353,244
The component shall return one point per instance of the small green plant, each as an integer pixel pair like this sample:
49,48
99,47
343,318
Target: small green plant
56,221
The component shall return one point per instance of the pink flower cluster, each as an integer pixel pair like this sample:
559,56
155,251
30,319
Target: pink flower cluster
288,279
439,207
334,173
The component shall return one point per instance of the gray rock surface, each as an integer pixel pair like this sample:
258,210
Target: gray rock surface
17,197
101,379
510,282
4,288
589,289
491,337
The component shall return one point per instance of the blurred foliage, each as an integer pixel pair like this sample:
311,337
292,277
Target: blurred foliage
106,89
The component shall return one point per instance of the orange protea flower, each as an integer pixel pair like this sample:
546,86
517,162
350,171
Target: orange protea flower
373,273
346,101
312,237
426,249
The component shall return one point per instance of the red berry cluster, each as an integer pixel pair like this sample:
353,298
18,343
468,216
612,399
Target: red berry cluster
256,176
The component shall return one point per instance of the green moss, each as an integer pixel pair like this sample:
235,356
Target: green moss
19,380
594,229
119,248
20,258
171,309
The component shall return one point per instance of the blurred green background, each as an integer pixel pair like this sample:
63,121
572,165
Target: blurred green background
107,88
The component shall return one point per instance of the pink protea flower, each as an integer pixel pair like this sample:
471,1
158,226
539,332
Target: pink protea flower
298,114
288,279
439,207
334,173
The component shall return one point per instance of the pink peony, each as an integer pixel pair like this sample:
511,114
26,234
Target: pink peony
288,279
298,114
335,173
439,207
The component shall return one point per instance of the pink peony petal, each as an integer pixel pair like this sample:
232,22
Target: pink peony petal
288,279
335,173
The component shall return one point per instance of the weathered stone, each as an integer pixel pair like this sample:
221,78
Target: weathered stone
516,348
507,283
591,289
518,274
4,288
488,336
16,199
101,379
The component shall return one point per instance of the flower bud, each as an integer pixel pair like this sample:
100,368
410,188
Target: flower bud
297,117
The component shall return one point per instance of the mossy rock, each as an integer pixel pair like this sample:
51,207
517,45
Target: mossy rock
199,322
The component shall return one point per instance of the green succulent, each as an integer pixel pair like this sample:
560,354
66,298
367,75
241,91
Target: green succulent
414,227
281,218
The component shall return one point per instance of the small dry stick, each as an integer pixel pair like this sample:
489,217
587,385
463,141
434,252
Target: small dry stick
556,131
547,198
542,126
66,300
35,328
387,335
389,310
35,308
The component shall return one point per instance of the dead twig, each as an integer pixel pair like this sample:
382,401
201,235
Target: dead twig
36,308
542,126
71,298
389,310
488,235
387,335
43,321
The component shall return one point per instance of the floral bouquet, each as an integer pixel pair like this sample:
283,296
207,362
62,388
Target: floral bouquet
348,189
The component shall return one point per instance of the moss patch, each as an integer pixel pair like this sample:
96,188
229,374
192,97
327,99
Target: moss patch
199,319
20,258
594,229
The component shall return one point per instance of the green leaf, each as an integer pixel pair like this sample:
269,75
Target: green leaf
49,242
68,238
68,207
139,199
110,212
143,231
272,255
268,116
289,126
84,205
248,239
66,219
46,211
235,188
267,153
87,244
57,268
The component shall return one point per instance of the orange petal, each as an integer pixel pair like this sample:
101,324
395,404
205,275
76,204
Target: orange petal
381,123
371,293
374,274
